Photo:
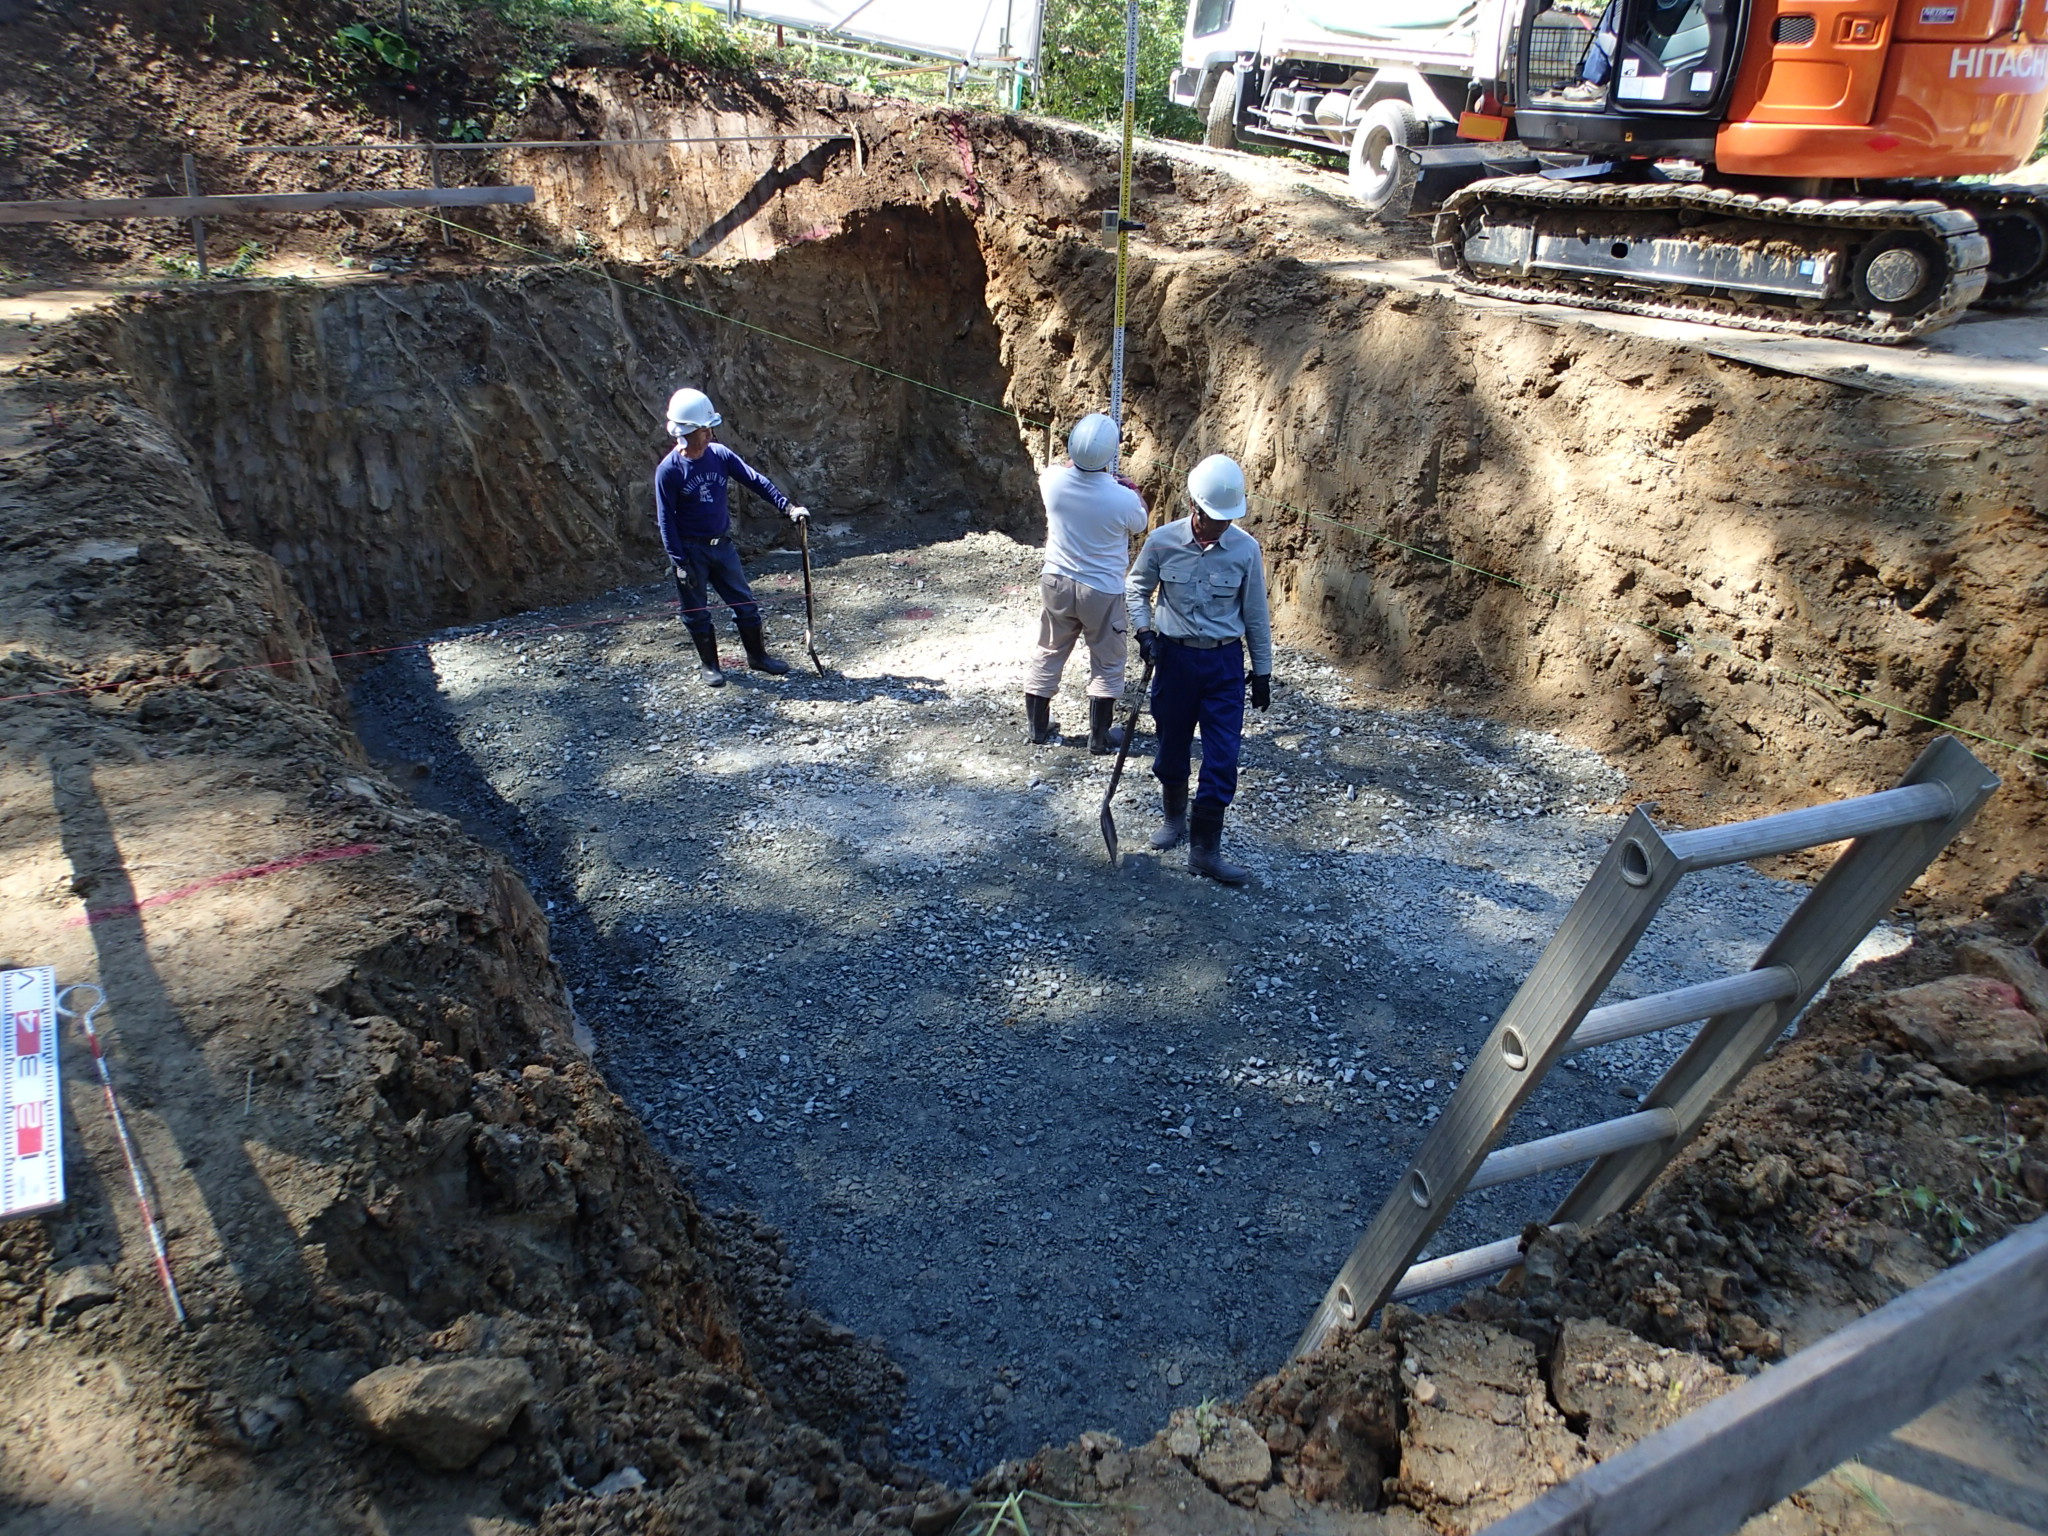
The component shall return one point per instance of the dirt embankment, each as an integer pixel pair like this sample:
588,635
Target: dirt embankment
439,452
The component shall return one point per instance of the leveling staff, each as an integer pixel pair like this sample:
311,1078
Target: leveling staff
1210,581
696,530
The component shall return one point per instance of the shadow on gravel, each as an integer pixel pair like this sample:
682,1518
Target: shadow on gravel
1079,1144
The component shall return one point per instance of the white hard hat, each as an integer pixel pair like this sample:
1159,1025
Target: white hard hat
1217,486
689,409
1093,442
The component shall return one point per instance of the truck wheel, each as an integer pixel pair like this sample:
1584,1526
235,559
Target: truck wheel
1382,180
1221,130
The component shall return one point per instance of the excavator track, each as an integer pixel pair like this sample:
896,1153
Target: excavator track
2014,219
1881,270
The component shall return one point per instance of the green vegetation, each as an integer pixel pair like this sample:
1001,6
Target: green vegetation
241,264
1084,65
382,44
686,33
1005,1516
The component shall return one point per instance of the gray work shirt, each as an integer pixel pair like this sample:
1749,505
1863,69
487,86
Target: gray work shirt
1217,593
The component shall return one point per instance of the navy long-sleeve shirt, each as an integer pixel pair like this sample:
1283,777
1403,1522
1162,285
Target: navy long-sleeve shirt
689,495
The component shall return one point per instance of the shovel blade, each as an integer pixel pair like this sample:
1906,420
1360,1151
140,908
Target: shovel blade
1109,831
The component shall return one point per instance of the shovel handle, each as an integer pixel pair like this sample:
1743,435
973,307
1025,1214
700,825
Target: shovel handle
803,546
1116,774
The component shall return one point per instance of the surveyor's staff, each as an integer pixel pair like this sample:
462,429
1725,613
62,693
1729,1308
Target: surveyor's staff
135,1177
1123,220
803,545
1116,774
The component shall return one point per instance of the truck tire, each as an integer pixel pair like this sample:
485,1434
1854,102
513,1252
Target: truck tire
1382,180
1221,130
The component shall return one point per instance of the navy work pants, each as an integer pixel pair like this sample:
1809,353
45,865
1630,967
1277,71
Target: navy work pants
1202,689
716,565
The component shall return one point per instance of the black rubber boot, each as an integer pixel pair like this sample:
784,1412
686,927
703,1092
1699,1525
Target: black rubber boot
1173,831
1038,720
1205,838
707,652
757,652
1103,737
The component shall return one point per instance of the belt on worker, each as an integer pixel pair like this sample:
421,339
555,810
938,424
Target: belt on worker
1202,644
707,543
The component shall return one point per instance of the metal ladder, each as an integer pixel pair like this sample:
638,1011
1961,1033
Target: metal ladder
1897,832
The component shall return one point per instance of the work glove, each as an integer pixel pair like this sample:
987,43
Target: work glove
1145,651
1262,690
799,514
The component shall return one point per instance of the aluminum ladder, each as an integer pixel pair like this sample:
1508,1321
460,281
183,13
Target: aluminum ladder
1897,833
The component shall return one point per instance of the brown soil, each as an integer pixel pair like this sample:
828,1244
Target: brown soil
357,1082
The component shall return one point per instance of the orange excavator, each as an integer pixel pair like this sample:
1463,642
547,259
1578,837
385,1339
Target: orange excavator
1787,165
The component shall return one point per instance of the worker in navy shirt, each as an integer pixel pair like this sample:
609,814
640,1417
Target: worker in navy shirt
696,530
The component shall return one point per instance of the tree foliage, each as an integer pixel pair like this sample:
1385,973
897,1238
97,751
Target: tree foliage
1083,64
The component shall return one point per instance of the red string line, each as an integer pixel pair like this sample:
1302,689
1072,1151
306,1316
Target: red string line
252,872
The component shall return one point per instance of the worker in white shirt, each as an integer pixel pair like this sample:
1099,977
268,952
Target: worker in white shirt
1091,515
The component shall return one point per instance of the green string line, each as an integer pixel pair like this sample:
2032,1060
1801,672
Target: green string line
1713,643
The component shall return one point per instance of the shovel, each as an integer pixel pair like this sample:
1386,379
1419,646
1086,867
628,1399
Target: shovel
803,544
1116,774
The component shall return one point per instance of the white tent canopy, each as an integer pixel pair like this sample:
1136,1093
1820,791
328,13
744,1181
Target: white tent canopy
973,31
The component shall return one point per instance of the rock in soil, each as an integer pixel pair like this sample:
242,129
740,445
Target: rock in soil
2017,967
1483,1436
1624,1387
446,1415
72,1291
1972,1027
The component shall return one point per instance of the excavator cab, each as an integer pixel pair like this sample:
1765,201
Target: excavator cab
1782,165
1647,77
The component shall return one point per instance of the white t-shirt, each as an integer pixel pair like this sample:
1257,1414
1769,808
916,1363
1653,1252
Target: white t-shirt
1090,520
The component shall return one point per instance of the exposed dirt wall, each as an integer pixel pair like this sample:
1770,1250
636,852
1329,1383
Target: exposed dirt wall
419,454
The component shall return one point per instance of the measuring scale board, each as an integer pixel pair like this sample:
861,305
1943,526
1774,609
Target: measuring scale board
31,1128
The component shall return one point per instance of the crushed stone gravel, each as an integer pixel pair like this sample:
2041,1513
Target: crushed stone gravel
1079,1144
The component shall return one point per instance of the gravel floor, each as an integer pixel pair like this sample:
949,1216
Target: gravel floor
1080,1144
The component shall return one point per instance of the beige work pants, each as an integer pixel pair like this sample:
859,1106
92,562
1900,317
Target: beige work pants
1073,611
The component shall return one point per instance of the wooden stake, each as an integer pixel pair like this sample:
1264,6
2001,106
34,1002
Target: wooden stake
434,174
198,225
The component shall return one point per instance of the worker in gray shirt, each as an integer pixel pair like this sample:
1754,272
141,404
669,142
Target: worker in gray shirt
1208,580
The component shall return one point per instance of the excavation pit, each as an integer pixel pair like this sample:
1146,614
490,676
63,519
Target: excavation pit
1079,1144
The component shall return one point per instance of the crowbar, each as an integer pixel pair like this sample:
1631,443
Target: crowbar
1116,774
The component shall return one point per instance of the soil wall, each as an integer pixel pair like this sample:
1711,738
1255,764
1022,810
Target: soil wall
419,454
